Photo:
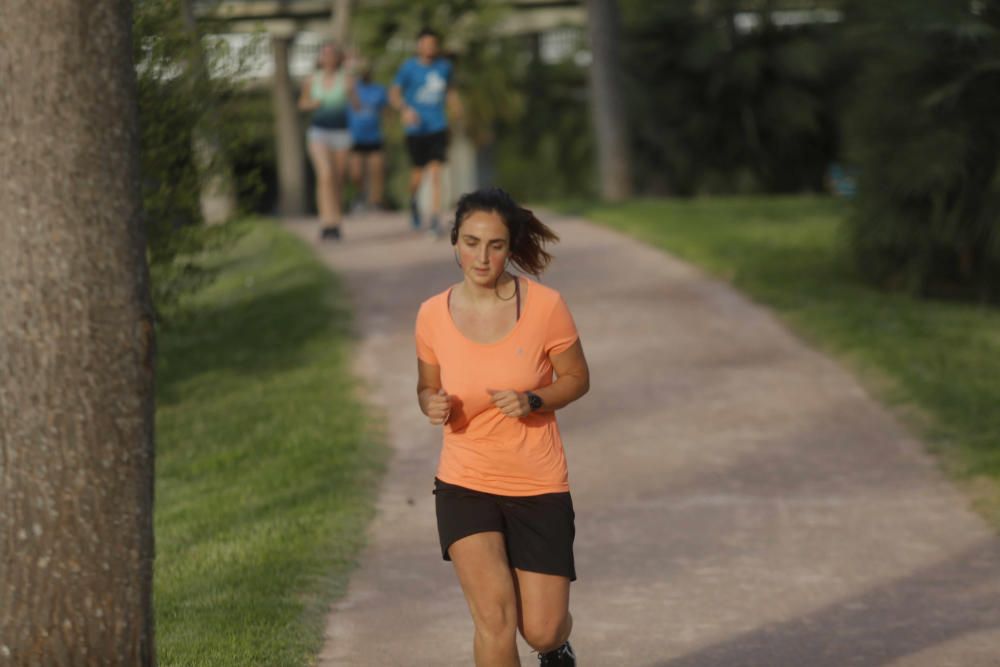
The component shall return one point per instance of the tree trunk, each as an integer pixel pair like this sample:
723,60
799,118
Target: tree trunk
606,103
76,342
291,157
215,173
341,22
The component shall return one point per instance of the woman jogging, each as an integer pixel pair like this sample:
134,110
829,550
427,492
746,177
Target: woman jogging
487,349
327,94
365,123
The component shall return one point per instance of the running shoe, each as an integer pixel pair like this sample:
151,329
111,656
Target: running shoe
560,657
330,233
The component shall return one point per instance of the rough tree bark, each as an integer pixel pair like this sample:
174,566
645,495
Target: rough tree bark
76,342
607,107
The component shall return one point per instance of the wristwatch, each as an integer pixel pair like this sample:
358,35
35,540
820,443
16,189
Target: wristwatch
534,401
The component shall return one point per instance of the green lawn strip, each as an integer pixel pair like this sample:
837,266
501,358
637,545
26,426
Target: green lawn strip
266,460
938,363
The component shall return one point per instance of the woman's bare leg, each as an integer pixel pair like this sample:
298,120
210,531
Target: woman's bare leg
480,562
322,161
339,158
543,609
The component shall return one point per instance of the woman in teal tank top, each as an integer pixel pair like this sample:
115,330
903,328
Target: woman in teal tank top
332,98
326,93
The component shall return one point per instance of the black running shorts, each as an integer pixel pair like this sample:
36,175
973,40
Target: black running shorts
366,147
425,148
538,530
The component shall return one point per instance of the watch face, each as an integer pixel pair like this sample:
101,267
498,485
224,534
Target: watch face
534,401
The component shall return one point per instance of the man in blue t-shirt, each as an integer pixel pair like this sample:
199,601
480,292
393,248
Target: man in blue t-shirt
420,91
365,123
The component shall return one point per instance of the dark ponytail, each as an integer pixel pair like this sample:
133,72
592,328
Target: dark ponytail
528,234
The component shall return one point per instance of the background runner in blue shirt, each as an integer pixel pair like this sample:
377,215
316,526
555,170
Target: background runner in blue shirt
420,91
365,123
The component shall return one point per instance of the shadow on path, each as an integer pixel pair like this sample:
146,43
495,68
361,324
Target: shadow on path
250,336
932,606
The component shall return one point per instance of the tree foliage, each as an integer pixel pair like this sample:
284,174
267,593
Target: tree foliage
923,130
549,151
491,70
487,69
176,98
721,109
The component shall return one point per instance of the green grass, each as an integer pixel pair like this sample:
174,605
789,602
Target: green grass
266,461
937,362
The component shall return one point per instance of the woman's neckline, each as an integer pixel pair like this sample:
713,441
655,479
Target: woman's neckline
334,76
525,304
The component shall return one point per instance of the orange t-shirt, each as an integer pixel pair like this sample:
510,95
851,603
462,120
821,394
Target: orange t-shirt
484,449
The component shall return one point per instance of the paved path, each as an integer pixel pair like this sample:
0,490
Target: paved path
740,500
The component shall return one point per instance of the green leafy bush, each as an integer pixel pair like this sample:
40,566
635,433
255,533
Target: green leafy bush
716,108
923,131
179,105
548,152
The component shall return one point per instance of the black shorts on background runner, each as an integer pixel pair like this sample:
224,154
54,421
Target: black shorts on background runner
538,530
425,148
366,147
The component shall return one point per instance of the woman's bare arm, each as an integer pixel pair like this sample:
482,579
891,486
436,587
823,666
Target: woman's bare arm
572,382
572,378
434,401
306,101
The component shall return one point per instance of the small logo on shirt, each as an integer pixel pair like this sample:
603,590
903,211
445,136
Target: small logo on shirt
520,351
432,90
